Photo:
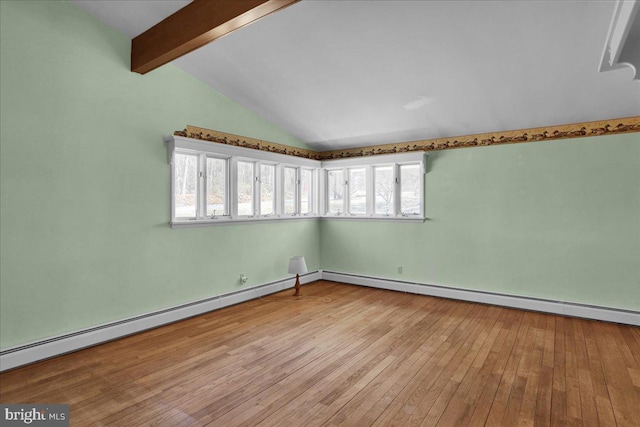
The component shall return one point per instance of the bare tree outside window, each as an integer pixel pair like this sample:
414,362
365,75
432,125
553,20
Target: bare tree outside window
358,191
335,190
267,189
245,188
384,187
306,189
216,186
410,176
185,185
289,190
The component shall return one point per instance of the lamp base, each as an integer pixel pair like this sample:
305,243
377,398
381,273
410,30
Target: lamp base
297,287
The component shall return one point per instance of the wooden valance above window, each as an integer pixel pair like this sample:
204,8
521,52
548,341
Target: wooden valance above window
547,133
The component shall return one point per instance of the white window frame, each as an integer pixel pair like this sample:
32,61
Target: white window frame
319,193
296,191
204,149
343,210
173,205
255,188
347,174
275,189
313,192
393,160
394,182
227,201
399,188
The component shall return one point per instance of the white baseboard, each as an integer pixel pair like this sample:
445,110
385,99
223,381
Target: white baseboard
564,308
54,346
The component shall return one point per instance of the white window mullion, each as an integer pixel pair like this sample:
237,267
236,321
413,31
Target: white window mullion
298,195
321,188
233,187
297,192
255,196
227,191
347,191
314,192
396,189
202,186
279,189
323,196
423,176
256,190
371,200
172,185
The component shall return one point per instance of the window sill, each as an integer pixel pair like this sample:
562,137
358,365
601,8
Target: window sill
412,218
245,220
241,220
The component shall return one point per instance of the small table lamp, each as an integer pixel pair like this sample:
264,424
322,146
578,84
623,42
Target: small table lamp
297,266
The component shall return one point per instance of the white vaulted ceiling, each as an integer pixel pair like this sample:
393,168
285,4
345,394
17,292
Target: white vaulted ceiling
353,73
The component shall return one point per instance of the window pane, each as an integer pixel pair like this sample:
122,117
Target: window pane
358,191
267,189
384,187
306,189
245,188
216,186
335,191
289,190
410,189
185,185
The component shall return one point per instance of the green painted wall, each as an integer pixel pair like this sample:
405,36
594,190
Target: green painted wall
84,197
557,220
84,185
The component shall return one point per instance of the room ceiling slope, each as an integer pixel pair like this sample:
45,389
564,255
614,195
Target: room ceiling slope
341,74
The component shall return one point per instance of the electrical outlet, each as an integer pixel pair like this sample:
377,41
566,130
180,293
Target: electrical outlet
399,269
243,279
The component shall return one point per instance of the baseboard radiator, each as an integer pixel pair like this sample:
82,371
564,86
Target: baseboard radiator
563,308
54,346
67,343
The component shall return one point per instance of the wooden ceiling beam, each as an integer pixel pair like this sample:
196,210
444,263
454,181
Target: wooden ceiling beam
193,26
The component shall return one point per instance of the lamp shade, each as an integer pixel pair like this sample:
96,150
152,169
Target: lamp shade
297,265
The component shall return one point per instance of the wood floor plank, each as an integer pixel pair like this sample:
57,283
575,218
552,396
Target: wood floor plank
430,411
529,361
483,403
467,390
587,393
545,388
534,375
559,391
623,395
572,377
349,356
406,402
303,402
370,403
500,404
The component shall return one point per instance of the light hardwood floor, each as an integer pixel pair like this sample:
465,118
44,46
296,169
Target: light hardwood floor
352,356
